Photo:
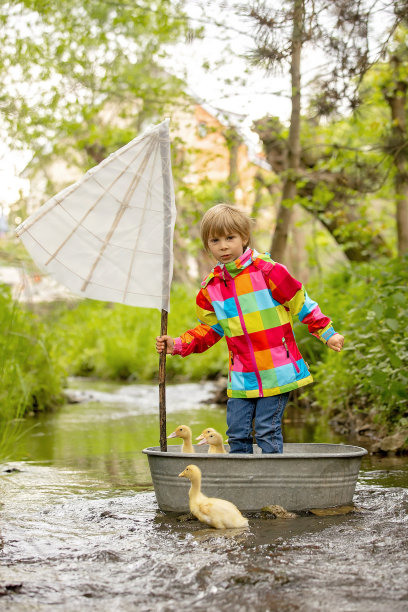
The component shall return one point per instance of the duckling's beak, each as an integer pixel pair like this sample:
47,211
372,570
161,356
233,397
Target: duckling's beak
182,475
172,435
200,437
203,441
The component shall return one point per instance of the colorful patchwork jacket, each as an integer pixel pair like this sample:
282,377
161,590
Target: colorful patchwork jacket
252,301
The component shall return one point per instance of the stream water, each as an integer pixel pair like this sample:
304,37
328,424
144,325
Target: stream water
81,530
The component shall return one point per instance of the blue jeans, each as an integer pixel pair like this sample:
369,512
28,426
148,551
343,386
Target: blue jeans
268,412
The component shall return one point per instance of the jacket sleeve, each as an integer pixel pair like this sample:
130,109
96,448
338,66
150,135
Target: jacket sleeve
207,332
292,294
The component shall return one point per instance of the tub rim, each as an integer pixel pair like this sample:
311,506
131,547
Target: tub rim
350,451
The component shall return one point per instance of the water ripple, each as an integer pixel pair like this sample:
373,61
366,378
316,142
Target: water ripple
69,543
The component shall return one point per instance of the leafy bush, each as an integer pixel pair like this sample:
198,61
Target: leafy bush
368,305
30,379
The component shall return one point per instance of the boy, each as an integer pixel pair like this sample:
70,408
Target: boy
251,300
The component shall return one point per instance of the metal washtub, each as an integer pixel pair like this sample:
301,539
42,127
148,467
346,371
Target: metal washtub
304,476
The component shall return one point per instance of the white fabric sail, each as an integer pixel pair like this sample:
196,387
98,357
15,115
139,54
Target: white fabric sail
109,236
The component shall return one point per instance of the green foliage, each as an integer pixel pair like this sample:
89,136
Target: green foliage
118,342
30,378
65,65
192,203
345,168
356,165
367,303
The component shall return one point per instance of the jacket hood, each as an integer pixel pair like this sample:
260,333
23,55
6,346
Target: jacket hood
233,267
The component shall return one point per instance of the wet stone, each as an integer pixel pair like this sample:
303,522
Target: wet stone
183,518
109,514
101,555
277,512
395,442
77,396
337,510
8,589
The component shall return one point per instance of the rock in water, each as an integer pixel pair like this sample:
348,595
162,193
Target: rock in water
334,511
182,518
278,512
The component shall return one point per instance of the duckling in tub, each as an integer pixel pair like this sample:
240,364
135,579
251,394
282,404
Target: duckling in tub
184,432
204,433
215,442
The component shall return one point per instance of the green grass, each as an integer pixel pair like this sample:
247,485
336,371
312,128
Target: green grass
30,379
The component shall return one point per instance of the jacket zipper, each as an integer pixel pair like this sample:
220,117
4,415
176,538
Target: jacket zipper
244,329
289,355
232,363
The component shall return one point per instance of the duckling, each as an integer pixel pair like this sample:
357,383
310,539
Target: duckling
184,432
206,432
215,442
218,513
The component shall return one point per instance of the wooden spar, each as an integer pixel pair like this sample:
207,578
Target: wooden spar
168,196
162,385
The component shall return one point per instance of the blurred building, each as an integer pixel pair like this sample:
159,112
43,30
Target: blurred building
210,143
216,146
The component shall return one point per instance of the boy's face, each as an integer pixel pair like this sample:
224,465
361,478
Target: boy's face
226,248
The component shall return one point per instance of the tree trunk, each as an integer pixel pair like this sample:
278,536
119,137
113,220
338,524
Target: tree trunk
233,141
397,102
401,188
280,236
296,250
357,245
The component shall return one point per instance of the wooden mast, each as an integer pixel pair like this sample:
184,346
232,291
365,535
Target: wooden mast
168,204
162,385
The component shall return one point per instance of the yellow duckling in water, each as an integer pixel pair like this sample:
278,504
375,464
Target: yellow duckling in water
215,442
184,432
218,513
203,434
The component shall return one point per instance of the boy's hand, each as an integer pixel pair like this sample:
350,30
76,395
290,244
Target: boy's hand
336,342
162,341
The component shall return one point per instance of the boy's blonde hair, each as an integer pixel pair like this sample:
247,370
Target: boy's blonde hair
222,220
